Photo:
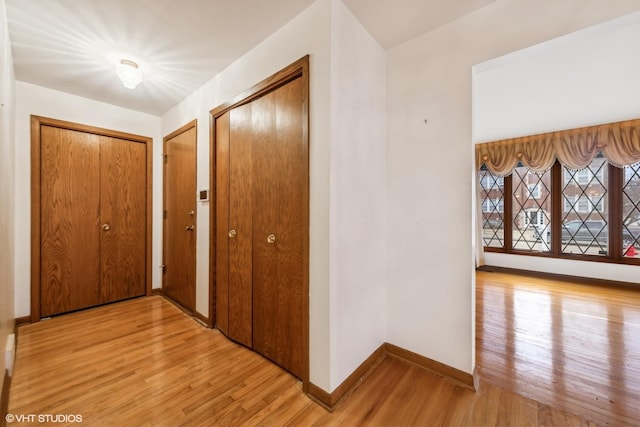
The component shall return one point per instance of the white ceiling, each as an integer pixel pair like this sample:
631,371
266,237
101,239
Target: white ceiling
73,45
392,22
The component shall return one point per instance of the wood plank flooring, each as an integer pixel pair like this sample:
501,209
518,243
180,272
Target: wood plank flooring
570,345
143,362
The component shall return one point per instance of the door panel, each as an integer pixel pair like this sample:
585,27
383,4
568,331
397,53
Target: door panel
70,200
123,219
180,207
266,166
240,253
279,288
222,223
291,224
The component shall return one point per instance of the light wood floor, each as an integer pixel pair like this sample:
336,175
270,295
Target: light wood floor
144,362
570,345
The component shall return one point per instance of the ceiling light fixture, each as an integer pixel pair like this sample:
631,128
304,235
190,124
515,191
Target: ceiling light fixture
129,73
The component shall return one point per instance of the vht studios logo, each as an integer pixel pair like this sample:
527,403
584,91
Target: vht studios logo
43,418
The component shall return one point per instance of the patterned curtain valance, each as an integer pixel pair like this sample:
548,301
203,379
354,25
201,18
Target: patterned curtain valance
619,143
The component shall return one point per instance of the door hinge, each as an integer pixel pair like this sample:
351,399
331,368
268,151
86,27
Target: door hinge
164,214
165,157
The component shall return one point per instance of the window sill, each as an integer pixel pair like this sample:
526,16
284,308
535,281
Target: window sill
573,257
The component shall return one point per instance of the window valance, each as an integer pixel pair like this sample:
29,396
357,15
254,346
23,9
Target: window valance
619,143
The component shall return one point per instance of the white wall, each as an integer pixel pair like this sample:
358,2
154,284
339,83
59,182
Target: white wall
7,191
308,33
581,79
358,203
431,282
585,78
40,101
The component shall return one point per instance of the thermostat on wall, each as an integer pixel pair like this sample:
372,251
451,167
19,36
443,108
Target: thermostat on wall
203,195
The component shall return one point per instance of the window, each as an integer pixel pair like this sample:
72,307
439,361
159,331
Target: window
584,224
530,217
631,212
492,200
562,197
579,224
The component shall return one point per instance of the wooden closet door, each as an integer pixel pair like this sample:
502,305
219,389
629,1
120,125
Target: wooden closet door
123,219
222,228
179,279
69,220
240,239
280,209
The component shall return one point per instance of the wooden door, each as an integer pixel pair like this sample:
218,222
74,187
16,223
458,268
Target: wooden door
261,219
69,220
122,219
90,216
240,225
221,251
179,254
280,186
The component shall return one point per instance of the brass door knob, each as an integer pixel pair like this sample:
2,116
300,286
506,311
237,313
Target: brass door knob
188,228
271,239
232,233
106,227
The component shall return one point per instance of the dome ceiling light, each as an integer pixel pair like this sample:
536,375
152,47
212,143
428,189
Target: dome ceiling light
129,73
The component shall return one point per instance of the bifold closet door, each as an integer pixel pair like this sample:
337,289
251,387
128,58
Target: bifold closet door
123,220
262,212
70,220
92,220
223,230
240,223
280,184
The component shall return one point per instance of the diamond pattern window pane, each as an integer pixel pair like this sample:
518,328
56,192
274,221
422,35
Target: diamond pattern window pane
585,216
492,199
531,210
631,212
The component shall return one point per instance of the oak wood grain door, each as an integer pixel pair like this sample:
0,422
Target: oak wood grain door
179,254
123,221
262,225
90,239
221,252
280,209
240,224
70,220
